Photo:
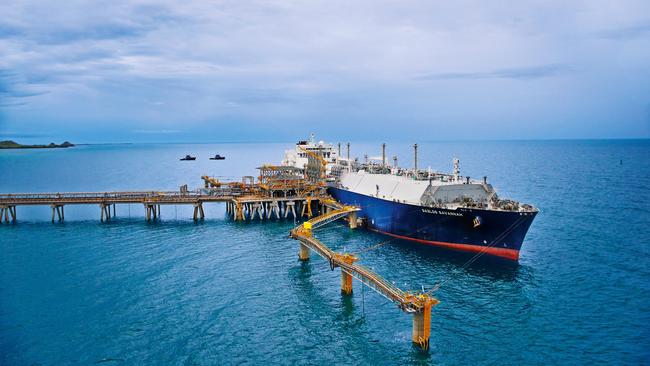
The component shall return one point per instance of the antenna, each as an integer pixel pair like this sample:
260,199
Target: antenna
415,155
349,162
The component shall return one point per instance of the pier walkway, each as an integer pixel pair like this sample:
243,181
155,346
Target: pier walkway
417,304
150,199
240,203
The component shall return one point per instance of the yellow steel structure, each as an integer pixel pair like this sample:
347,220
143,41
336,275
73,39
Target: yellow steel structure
308,207
417,304
211,182
316,168
346,278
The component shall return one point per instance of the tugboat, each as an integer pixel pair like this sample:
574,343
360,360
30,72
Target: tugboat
188,157
218,157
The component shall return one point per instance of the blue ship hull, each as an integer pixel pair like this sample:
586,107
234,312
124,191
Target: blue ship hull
497,233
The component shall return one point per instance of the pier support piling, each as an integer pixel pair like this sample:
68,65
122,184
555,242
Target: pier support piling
239,211
198,211
7,213
303,254
106,212
57,211
247,211
306,208
289,207
422,327
346,277
274,209
257,210
352,220
346,283
152,211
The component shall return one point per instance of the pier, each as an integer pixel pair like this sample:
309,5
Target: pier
241,207
280,192
417,304
151,201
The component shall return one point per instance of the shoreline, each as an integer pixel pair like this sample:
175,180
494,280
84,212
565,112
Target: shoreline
14,145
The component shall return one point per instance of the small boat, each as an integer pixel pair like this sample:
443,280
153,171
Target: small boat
218,157
188,157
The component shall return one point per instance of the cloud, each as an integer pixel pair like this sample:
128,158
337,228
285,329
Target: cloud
629,32
157,132
211,63
13,90
518,73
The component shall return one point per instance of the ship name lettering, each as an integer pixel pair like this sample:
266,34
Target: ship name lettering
438,212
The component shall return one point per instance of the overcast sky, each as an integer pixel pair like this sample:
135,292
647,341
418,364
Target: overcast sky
122,70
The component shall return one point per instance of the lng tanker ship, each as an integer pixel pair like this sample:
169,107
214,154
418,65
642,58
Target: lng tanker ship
422,206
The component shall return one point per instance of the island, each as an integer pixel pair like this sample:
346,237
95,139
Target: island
14,145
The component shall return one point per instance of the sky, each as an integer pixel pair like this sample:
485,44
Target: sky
210,71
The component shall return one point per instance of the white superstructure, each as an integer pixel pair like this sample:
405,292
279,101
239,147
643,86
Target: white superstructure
298,157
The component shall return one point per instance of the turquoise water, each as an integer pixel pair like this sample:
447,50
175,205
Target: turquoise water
218,292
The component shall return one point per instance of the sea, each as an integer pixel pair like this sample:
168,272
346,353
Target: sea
218,292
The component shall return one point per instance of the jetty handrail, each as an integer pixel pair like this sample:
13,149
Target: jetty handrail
96,194
410,303
44,196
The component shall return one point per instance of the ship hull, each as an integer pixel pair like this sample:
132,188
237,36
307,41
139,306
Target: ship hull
496,233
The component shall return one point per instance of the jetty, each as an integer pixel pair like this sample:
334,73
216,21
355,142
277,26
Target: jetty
279,192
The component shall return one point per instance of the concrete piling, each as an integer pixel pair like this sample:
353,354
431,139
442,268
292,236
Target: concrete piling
105,212
199,214
57,212
152,211
7,213
274,209
289,207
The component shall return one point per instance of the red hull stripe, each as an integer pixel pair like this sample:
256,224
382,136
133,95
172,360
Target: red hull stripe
511,254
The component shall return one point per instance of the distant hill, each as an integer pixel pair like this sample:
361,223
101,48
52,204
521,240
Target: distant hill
8,144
